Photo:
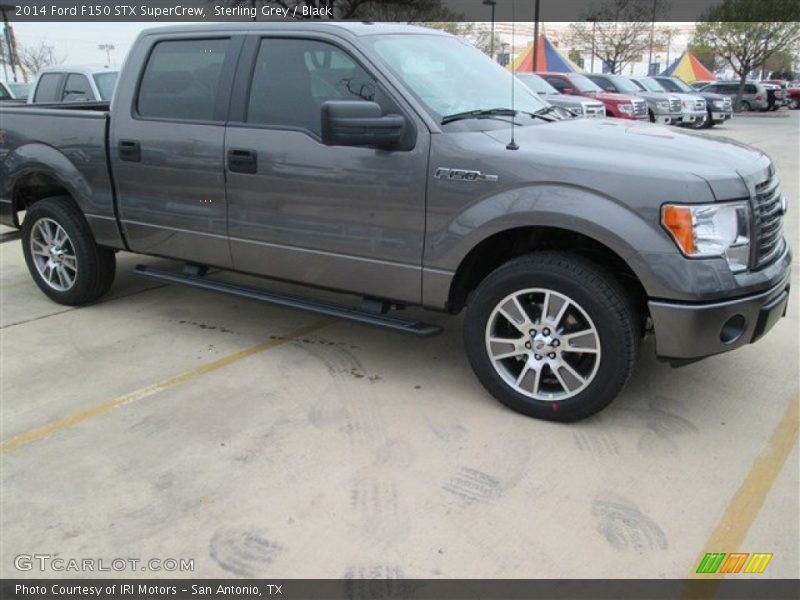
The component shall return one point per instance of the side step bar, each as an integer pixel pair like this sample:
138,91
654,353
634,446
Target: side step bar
332,310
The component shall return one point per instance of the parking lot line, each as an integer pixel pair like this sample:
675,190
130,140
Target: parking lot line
746,503
104,407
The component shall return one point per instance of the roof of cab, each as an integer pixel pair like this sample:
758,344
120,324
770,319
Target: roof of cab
354,28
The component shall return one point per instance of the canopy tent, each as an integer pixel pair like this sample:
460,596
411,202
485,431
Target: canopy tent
549,58
689,68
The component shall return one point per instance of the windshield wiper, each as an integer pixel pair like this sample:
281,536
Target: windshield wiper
479,114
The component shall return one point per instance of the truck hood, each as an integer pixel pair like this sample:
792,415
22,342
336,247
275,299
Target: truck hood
611,97
626,149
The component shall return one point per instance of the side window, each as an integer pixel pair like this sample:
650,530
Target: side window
47,88
557,83
749,89
181,80
77,89
292,79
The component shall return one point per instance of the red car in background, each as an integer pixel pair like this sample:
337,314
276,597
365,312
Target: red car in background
621,106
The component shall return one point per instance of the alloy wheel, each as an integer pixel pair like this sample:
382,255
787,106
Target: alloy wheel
53,254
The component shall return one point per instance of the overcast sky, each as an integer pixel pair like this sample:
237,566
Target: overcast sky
77,42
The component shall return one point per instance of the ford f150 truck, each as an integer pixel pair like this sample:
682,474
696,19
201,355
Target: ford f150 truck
394,163
662,107
621,106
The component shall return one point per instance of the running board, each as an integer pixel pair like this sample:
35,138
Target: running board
331,310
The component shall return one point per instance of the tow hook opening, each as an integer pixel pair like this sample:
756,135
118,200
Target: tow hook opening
732,329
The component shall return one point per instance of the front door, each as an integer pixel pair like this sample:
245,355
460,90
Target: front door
347,218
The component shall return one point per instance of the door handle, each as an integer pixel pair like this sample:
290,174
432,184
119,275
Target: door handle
130,150
242,161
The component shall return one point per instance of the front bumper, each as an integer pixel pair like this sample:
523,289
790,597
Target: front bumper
664,119
694,331
719,116
690,117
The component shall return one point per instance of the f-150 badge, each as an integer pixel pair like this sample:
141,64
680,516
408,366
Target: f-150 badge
462,175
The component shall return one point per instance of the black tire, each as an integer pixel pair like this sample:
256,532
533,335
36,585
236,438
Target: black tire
652,116
593,289
745,106
794,103
709,121
96,266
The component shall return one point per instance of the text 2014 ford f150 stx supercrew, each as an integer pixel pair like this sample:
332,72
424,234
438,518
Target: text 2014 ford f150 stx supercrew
379,160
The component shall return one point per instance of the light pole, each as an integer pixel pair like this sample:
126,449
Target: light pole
491,3
652,35
108,48
535,35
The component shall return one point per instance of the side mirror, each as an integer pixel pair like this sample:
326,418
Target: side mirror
359,123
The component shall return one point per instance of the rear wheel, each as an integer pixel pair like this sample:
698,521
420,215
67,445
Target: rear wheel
62,255
794,103
745,106
552,335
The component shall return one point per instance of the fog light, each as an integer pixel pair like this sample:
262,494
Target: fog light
733,329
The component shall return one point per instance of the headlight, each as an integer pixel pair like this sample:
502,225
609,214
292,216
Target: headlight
662,105
707,230
626,108
718,103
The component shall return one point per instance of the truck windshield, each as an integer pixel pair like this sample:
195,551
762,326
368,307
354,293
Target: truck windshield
625,85
651,85
105,83
537,84
675,85
584,85
448,76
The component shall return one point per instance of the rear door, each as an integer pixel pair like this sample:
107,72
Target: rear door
349,218
167,147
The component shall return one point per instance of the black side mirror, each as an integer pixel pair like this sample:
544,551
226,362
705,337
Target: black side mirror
359,123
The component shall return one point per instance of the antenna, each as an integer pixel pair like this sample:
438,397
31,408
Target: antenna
512,145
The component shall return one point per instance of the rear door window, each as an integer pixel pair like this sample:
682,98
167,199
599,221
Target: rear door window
48,88
77,89
181,80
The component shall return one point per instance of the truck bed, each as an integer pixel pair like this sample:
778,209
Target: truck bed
70,142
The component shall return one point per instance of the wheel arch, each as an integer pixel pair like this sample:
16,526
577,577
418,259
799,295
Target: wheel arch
498,248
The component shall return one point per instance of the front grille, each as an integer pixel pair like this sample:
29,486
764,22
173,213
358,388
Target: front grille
674,105
639,107
768,211
595,111
699,104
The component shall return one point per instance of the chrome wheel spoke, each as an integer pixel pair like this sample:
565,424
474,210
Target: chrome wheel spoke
53,254
535,363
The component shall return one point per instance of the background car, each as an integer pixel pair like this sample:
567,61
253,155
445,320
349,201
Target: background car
577,105
776,95
621,106
701,83
74,84
719,108
14,90
662,107
754,96
693,107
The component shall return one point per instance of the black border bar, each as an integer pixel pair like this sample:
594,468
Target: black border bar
418,589
375,10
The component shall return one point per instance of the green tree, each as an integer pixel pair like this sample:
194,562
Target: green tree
732,32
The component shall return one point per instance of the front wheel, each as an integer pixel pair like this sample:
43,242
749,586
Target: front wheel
552,335
794,103
62,255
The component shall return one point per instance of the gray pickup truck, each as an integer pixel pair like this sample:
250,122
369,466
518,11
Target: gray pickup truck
392,162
